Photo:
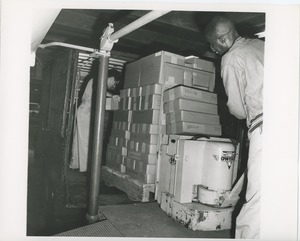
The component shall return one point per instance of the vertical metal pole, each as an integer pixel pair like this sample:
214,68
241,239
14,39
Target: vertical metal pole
92,215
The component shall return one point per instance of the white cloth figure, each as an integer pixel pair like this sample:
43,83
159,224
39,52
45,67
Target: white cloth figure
80,148
82,130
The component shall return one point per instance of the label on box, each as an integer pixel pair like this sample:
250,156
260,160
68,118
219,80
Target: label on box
204,80
194,128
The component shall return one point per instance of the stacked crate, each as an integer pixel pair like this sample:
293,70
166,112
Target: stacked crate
191,111
134,146
117,147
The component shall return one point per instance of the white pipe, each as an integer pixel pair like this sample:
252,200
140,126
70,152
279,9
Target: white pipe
120,33
67,45
137,23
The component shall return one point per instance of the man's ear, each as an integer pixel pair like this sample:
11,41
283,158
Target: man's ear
222,40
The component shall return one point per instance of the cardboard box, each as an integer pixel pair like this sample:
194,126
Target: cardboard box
125,103
203,80
118,149
189,128
146,116
145,138
136,91
136,103
120,133
155,71
155,89
142,157
117,141
190,105
140,167
143,128
142,147
121,126
189,93
113,157
202,64
188,77
138,170
125,92
151,102
123,115
112,103
191,116
203,76
132,74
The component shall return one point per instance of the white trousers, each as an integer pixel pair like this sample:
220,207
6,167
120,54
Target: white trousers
248,220
81,138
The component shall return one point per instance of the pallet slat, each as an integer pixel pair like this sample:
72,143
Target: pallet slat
135,189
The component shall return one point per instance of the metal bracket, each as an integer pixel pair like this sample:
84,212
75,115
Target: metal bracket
173,159
106,44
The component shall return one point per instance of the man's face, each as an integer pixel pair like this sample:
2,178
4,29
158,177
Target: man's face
219,42
218,45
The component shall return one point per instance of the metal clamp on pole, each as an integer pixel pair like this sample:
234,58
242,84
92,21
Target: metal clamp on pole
106,44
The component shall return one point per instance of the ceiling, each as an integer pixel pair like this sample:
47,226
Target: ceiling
179,32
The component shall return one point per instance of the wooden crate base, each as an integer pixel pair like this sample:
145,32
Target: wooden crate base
197,216
135,189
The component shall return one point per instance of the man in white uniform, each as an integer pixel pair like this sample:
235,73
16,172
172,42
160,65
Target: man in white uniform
242,71
80,147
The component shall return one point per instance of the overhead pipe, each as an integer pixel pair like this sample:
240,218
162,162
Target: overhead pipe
107,41
147,18
72,46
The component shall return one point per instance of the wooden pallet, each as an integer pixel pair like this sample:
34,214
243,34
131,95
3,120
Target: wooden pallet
135,189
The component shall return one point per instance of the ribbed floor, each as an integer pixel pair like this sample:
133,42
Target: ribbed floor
140,220
101,229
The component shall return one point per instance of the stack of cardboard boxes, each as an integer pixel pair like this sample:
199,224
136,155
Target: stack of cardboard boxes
191,111
151,106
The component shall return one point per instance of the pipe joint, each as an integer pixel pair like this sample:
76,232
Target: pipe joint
106,44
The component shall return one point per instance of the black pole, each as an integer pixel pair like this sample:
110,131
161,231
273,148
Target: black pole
92,215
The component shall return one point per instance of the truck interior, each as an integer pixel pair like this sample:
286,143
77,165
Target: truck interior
58,197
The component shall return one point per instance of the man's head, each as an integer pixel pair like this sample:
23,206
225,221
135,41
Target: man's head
220,33
113,79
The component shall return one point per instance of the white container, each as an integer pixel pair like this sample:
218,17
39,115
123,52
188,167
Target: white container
206,162
217,169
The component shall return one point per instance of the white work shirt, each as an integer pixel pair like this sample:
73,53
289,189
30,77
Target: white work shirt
242,71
